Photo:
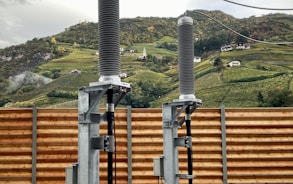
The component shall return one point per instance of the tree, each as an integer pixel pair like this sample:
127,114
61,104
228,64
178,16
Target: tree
4,101
218,62
135,100
240,39
53,40
211,44
260,97
279,98
53,44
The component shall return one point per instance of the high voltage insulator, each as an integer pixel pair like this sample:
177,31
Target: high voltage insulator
185,58
109,40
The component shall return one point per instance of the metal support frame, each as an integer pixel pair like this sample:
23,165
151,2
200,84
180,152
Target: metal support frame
71,174
171,112
89,142
224,145
129,145
34,145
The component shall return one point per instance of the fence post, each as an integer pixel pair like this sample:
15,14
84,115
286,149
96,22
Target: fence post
129,145
224,144
34,145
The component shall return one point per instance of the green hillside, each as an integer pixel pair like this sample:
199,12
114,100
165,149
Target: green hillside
215,86
264,77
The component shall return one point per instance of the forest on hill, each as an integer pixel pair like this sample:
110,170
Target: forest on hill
45,63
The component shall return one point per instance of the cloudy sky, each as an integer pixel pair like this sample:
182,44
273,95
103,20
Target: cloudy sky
22,20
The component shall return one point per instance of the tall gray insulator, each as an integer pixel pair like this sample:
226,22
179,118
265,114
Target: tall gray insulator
109,40
186,55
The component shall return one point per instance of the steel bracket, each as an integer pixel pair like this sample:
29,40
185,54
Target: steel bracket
185,141
105,143
185,176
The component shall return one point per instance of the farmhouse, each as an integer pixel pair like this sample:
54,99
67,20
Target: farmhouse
242,45
226,48
132,50
75,71
121,50
123,75
144,54
6,58
197,59
234,63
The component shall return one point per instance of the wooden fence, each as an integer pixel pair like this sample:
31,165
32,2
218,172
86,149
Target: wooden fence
235,146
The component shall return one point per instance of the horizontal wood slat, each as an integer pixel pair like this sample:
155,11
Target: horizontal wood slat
259,145
16,146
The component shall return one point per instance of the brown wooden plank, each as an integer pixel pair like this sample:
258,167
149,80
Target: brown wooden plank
16,179
16,173
260,164
27,181
15,113
261,180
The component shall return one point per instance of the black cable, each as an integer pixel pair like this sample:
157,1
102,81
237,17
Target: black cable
189,149
110,119
115,154
262,8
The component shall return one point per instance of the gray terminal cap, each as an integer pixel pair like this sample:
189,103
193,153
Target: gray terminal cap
185,20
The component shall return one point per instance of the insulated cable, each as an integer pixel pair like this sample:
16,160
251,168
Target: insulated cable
262,8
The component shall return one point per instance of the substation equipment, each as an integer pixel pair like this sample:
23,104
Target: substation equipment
166,167
90,143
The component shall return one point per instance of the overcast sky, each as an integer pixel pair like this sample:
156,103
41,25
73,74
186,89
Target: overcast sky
22,20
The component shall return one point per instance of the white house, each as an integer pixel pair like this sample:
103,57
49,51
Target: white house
144,54
6,58
121,50
234,63
75,71
132,50
197,59
123,75
242,46
226,48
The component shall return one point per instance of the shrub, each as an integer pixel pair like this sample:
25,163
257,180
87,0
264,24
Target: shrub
62,94
276,98
4,101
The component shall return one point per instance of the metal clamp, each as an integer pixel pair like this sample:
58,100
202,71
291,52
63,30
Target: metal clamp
109,143
185,176
185,141
105,143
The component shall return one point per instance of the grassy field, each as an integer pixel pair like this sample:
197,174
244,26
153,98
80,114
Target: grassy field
84,60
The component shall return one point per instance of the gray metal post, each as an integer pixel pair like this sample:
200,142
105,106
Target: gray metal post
34,145
71,174
88,163
129,145
224,145
170,150
88,158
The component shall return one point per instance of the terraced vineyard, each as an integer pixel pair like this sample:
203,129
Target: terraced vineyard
263,68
